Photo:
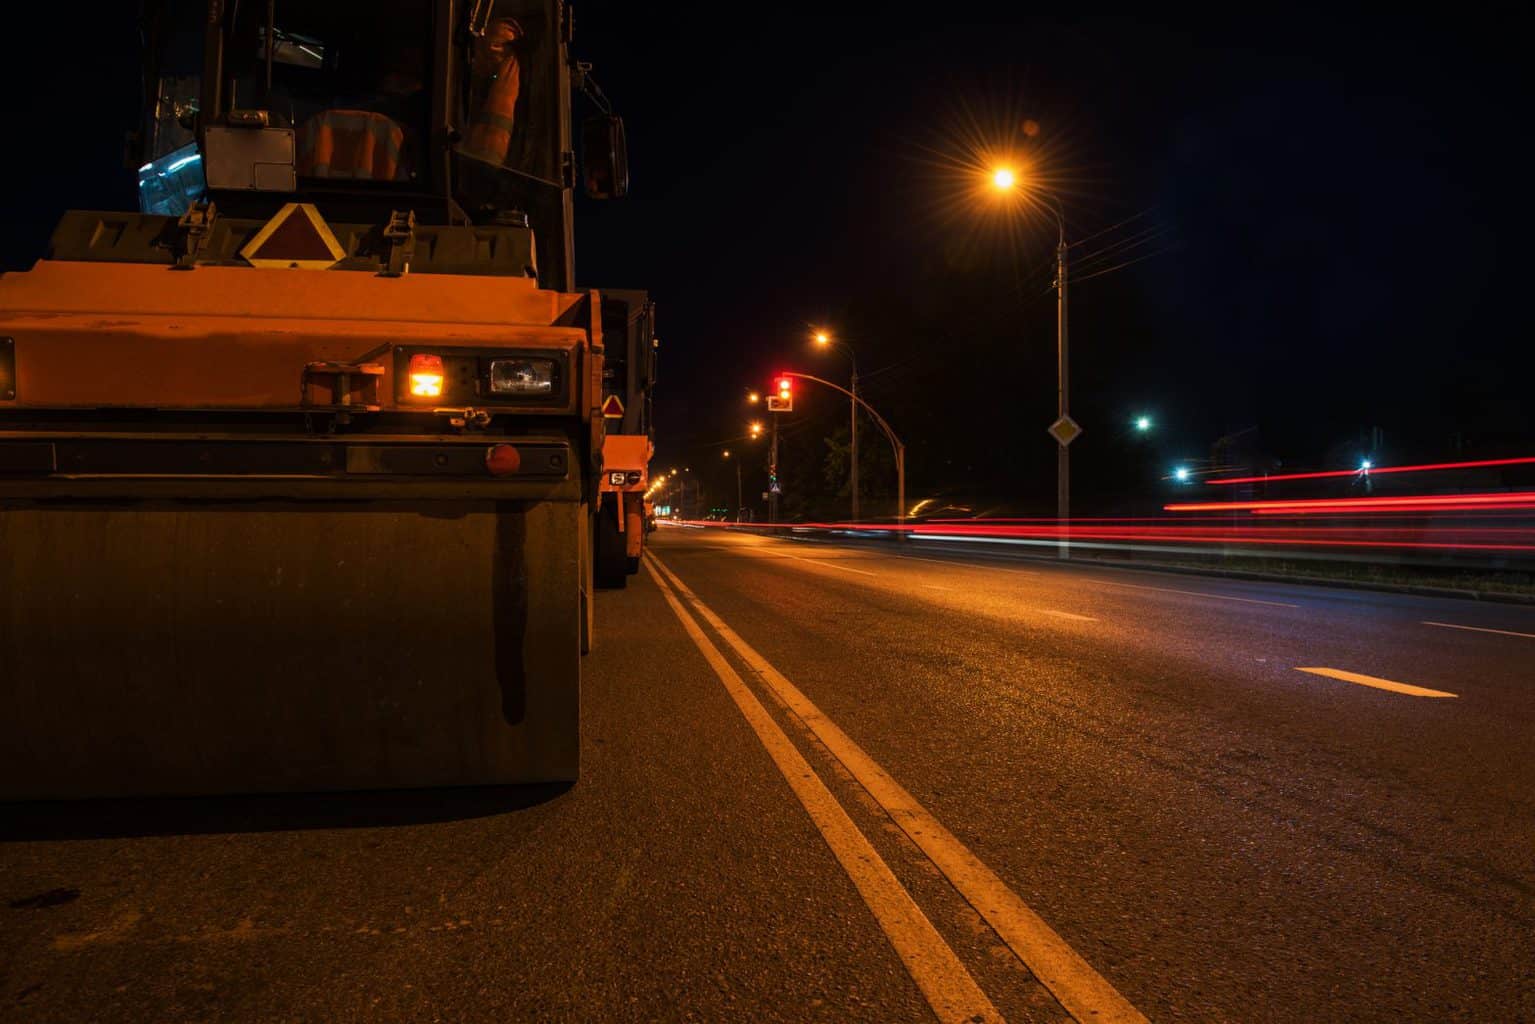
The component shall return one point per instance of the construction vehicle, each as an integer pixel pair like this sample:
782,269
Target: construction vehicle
299,463
628,374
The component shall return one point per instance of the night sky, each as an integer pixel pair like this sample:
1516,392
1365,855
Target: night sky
1312,230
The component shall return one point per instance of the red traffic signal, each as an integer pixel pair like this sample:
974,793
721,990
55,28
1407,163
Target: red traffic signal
783,399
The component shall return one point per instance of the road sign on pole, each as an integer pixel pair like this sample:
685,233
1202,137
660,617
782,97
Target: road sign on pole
1065,430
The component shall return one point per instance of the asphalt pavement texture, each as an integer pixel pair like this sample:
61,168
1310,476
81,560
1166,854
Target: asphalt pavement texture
1137,756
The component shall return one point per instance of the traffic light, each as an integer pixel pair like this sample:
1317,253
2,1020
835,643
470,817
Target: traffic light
782,400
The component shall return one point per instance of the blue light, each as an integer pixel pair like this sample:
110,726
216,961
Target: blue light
179,164
1364,466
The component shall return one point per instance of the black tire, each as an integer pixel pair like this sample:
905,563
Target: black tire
610,562
588,549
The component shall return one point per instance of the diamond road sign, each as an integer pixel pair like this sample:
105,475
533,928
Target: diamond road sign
1065,430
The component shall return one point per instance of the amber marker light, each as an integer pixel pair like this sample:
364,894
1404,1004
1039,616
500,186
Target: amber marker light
426,376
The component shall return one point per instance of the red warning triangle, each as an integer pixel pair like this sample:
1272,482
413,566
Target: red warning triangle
297,236
613,407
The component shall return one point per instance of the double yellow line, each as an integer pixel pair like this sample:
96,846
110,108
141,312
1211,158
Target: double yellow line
942,978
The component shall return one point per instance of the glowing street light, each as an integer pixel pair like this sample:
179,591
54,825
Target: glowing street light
1181,474
825,340
1364,466
753,398
756,429
1004,179
1143,423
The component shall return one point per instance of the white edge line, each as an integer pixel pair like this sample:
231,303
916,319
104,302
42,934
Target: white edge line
833,565
1082,991
1480,629
1191,593
965,565
1375,682
945,983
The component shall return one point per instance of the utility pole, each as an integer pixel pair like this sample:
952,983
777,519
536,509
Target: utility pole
853,440
1063,451
1064,429
773,474
824,338
738,487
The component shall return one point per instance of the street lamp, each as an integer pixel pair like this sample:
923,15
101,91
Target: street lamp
1143,423
895,443
738,485
1064,430
825,340
1181,474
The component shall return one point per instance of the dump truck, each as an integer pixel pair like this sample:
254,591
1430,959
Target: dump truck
628,377
300,462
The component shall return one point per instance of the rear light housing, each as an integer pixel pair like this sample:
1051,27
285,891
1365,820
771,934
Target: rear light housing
426,375
538,379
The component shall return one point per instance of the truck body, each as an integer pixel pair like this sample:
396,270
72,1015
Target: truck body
299,463
628,377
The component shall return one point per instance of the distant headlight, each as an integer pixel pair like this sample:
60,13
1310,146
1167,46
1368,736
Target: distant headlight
523,376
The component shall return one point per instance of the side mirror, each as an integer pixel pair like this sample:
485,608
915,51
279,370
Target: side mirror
604,157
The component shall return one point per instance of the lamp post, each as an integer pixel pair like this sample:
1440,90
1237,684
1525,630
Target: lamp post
895,444
682,493
1004,180
773,475
825,340
738,485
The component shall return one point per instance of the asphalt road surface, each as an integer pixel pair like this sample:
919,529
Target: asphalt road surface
855,784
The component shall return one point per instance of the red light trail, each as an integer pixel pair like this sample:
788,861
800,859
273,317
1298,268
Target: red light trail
1373,471
1399,536
1413,503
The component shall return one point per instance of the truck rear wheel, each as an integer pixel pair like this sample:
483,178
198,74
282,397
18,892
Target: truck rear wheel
588,585
611,562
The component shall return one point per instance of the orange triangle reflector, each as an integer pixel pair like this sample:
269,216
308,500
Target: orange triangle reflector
296,237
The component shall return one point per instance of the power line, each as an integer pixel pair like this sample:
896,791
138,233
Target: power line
1121,266
1114,227
1119,248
